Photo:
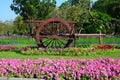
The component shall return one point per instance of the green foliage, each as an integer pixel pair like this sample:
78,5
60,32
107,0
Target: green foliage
88,20
63,10
45,8
1,28
30,10
53,55
83,3
33,9
95,22
64,5
111,7
26,8
6,27
69,13
73,13
73,2
19,26
116,26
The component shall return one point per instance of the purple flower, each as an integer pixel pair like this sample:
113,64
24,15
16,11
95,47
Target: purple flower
57,69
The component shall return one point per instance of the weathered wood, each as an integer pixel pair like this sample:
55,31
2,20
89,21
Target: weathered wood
69,36
100,36
89,35
52,34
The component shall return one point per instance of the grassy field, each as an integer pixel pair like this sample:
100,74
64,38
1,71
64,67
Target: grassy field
93,41
21,42
66,60
17,55
83,42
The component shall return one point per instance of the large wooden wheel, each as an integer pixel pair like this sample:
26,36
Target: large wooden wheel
54,33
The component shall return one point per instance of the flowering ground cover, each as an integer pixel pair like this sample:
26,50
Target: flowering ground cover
7,48
101,49
70,69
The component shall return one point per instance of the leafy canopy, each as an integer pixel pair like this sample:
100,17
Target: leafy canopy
33,9
111,7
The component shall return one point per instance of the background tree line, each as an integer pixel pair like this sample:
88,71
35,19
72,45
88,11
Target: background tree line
6,28
100,16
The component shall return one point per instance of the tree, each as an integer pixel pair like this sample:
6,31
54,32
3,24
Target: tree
67,12
19,26
96,22
112,8
45,8
33,9
1,28
73,2
63,10
6,27
84,4
73,13
90,21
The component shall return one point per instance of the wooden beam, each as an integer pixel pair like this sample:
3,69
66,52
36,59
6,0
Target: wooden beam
96,35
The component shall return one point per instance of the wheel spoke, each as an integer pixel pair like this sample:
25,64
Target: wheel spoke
49,43
52,44
58,44
55,44
61,44
44,41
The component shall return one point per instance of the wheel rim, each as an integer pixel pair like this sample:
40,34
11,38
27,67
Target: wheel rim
50,34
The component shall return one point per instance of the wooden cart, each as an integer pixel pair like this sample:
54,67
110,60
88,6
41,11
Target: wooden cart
55,33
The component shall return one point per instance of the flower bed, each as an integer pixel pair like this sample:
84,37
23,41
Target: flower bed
68,51
29,50
102,48
7,48
71,69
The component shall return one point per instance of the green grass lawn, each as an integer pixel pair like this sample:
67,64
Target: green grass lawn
93,41
18,55
31,42
18,42
87,41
